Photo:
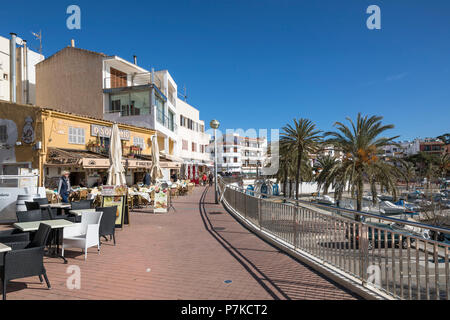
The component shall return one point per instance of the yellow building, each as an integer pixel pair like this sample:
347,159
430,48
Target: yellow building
53,141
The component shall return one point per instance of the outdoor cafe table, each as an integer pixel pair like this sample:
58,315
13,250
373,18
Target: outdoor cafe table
58,206
54,224
79,213
4,248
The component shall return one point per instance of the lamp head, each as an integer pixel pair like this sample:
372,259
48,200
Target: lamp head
214,124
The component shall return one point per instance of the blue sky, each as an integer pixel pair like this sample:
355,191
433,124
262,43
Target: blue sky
259,64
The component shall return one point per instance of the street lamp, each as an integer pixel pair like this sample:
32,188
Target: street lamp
214,124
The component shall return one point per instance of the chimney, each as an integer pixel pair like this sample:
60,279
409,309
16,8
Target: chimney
72,43
13,70
25,67
135,60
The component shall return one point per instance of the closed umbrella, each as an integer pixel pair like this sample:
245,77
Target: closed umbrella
155,170
116,175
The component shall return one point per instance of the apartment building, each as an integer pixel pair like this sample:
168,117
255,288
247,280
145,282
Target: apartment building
110,87
238,154
432,146
17,76
193,140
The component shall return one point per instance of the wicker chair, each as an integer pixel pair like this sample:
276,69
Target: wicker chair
26,259
83,194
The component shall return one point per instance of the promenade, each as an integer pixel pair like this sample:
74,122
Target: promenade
198,252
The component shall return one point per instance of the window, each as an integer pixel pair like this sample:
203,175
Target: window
224,160
76,136
235,149
194,147
185,145
3,134
139,142
118,78
160,109
235,160
171,121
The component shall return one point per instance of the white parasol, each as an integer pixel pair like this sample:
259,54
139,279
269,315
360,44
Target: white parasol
116,175
155,170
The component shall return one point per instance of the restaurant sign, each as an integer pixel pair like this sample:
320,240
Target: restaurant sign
104,163
105,132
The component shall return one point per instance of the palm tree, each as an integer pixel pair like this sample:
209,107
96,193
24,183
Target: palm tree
326,165
300,139
408,171
361,144
444,165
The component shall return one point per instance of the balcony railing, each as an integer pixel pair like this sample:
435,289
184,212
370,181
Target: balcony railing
391,259
132,80
166,122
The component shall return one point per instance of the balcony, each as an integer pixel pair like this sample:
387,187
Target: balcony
133,80
166,121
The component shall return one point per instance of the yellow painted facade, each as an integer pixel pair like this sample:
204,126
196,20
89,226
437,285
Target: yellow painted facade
51,130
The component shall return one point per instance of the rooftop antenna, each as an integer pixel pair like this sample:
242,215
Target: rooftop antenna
185,94
38,36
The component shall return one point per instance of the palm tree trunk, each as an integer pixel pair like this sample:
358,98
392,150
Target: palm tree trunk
297,178
360,188
285,181
290,188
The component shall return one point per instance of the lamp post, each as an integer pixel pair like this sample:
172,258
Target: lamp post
215,125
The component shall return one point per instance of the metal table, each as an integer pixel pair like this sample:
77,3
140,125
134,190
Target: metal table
56,225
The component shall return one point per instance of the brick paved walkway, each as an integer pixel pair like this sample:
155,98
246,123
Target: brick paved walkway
189,255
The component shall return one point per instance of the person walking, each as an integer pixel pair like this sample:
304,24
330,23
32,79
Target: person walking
64,187
204,178
211,179
147,179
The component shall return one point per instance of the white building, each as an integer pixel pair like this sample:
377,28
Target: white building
138,97
237,154
121,91
192,140
25,75
402,149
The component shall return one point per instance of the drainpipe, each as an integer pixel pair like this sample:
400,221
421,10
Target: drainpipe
12,56
25,67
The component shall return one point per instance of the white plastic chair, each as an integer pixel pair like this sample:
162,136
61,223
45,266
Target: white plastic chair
83,235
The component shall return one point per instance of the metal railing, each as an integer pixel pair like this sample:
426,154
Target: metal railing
166,121
132,80
391,258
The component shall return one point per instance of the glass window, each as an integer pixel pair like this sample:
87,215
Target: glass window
171,120
160,111
76,136
139,142
133,103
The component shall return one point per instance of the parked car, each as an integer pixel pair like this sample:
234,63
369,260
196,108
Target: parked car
443,237
381,228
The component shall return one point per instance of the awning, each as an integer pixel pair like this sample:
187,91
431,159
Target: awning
89,160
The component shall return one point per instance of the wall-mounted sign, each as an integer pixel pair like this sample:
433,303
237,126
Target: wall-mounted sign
105,164
105,132
28,132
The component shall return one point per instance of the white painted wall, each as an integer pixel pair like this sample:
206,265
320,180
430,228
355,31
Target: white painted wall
200,138
33,59
8,201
